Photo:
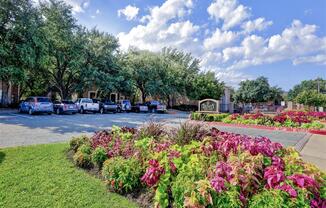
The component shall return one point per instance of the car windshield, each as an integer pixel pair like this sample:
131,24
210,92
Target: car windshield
87,101
67,102
43,99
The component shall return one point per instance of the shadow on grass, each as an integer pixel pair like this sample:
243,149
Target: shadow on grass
2,157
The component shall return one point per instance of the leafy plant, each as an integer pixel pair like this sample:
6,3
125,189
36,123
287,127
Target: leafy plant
99,155
82,159
188,132
76,142
122,175
268,198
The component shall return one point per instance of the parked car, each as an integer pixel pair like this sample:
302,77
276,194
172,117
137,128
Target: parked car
34,105
124,106
107,106
155,106
139,107
65,106
87,105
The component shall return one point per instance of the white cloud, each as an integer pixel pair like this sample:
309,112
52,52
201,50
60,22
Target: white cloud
78,6
297,43
258,24
219,39
232,46
97,11
229,11
317,59
163,28
130,12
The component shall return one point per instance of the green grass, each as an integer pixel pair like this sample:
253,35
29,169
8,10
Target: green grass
42,176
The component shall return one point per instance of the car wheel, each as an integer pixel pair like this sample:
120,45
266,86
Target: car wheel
119,110
73,113
101,111
57,111
82,110
30,111
20,110
94,112
49,113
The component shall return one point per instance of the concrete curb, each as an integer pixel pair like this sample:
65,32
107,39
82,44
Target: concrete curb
300,145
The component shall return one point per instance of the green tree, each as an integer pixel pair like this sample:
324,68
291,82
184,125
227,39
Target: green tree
101,64
205,85
65,42
307,85
146,69
21,45
255,91
311,98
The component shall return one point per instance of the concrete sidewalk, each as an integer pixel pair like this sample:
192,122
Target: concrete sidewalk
315,151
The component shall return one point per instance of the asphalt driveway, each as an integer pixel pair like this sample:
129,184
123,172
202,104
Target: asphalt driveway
22,129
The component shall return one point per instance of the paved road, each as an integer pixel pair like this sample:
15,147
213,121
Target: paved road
22,129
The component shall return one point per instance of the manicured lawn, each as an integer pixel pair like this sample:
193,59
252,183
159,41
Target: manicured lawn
42,176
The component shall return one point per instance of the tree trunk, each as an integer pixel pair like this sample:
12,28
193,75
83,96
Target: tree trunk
143,95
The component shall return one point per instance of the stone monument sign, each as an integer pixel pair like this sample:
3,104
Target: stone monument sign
209,106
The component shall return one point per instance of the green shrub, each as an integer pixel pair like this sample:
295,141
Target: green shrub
184,181
312,125
99,156
218,117
123,175
227,199
85,148
76,142
82,159
268,198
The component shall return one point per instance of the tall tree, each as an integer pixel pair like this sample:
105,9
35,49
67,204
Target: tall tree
307,85
256,91
65,46
205,85
311,98
21,44
145,68
101,64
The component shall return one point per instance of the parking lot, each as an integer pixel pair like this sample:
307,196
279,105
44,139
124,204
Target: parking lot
23,129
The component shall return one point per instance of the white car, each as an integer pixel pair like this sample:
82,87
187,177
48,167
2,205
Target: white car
87,105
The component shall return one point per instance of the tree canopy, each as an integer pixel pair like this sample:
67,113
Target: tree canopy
256,91
307,85
44,49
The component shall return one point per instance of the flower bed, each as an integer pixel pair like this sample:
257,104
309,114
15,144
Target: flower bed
199,167
292,119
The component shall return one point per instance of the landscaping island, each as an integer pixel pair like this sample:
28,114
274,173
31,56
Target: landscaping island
287,120
198,167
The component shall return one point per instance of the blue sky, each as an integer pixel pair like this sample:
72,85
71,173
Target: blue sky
284,40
